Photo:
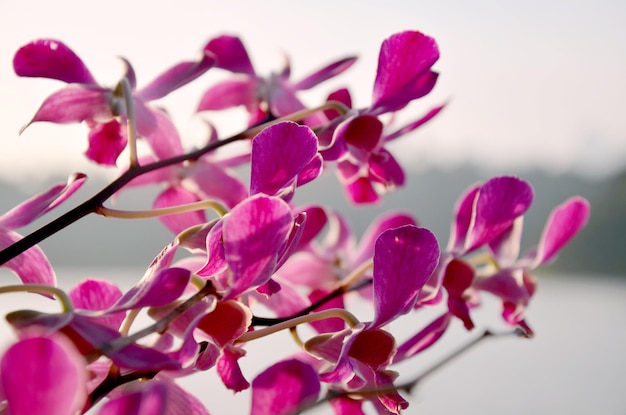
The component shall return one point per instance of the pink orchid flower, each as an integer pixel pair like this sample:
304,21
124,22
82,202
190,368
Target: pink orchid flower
263,97
84,100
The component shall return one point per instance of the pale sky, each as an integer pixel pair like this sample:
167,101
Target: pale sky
529,84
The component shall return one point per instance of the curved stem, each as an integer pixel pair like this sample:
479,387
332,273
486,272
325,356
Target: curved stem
345,315
66,303
151,213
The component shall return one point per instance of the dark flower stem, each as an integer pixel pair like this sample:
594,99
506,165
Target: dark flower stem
265,321
91,205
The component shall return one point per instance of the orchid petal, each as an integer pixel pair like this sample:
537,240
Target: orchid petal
563,224
96,295
284,388
279,154
157,128
415,124
311,171
384,169
75,103
499,202
343,97
48,58
230,54
149,399
154,290
29,210
363,133
464,210
31,266
174,78
373,347
404,258
229,371
379,225
177,196
228,320
325,73
423,339
506,246
404,70
43,375
361,191
216,258
106,142
231,93
215,182
254,235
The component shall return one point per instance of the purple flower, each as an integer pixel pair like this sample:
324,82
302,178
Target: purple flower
274,96
84,100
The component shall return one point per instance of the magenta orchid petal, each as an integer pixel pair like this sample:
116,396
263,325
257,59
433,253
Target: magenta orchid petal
43,375
284,388
423,339
279,154
216,258
230,93
325,73
364,133
346,406
404,70
106,142
156,127
155,290
29,210
176,196
226,322
404,258
343,97
391,400
174,78
506,246
75,103
415,124
96,295
255,232
563,224
311,171
293,239
499,202
389,220
464,211
316,219
149,399
361,191
384,169
215,182
31,266
229,371
230,54
48,58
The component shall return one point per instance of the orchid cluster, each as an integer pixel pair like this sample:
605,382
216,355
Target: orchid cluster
241,247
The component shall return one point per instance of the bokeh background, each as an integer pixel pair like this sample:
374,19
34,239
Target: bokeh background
532,88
